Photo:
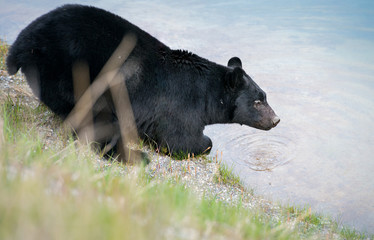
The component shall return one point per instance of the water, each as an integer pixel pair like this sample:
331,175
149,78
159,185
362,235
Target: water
315,60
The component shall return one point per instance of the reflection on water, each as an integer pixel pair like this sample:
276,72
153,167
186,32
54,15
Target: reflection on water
314,59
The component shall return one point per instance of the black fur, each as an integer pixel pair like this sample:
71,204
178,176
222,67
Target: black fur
174,94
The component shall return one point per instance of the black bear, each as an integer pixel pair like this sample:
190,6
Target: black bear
174,94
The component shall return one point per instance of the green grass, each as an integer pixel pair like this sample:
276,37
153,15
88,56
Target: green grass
348,233
226,175
21,117
3,51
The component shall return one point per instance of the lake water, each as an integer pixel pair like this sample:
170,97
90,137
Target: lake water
314,59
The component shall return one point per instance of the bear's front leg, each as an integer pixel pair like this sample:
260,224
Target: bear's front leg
206,145
188,144
179,137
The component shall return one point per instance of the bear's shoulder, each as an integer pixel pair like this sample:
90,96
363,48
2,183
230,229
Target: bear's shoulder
185,60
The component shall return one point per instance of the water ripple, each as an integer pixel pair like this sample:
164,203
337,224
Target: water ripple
263,152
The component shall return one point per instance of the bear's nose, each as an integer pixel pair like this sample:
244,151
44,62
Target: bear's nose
275,121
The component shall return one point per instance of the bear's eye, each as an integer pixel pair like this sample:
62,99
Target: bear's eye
257,102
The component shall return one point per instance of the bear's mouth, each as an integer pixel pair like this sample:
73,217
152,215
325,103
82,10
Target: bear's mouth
268,125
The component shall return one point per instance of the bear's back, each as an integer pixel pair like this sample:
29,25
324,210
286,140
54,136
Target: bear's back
74,33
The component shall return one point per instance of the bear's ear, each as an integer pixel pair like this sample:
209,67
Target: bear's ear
234,62
234,78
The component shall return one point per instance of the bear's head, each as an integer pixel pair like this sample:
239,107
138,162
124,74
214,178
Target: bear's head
247,99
